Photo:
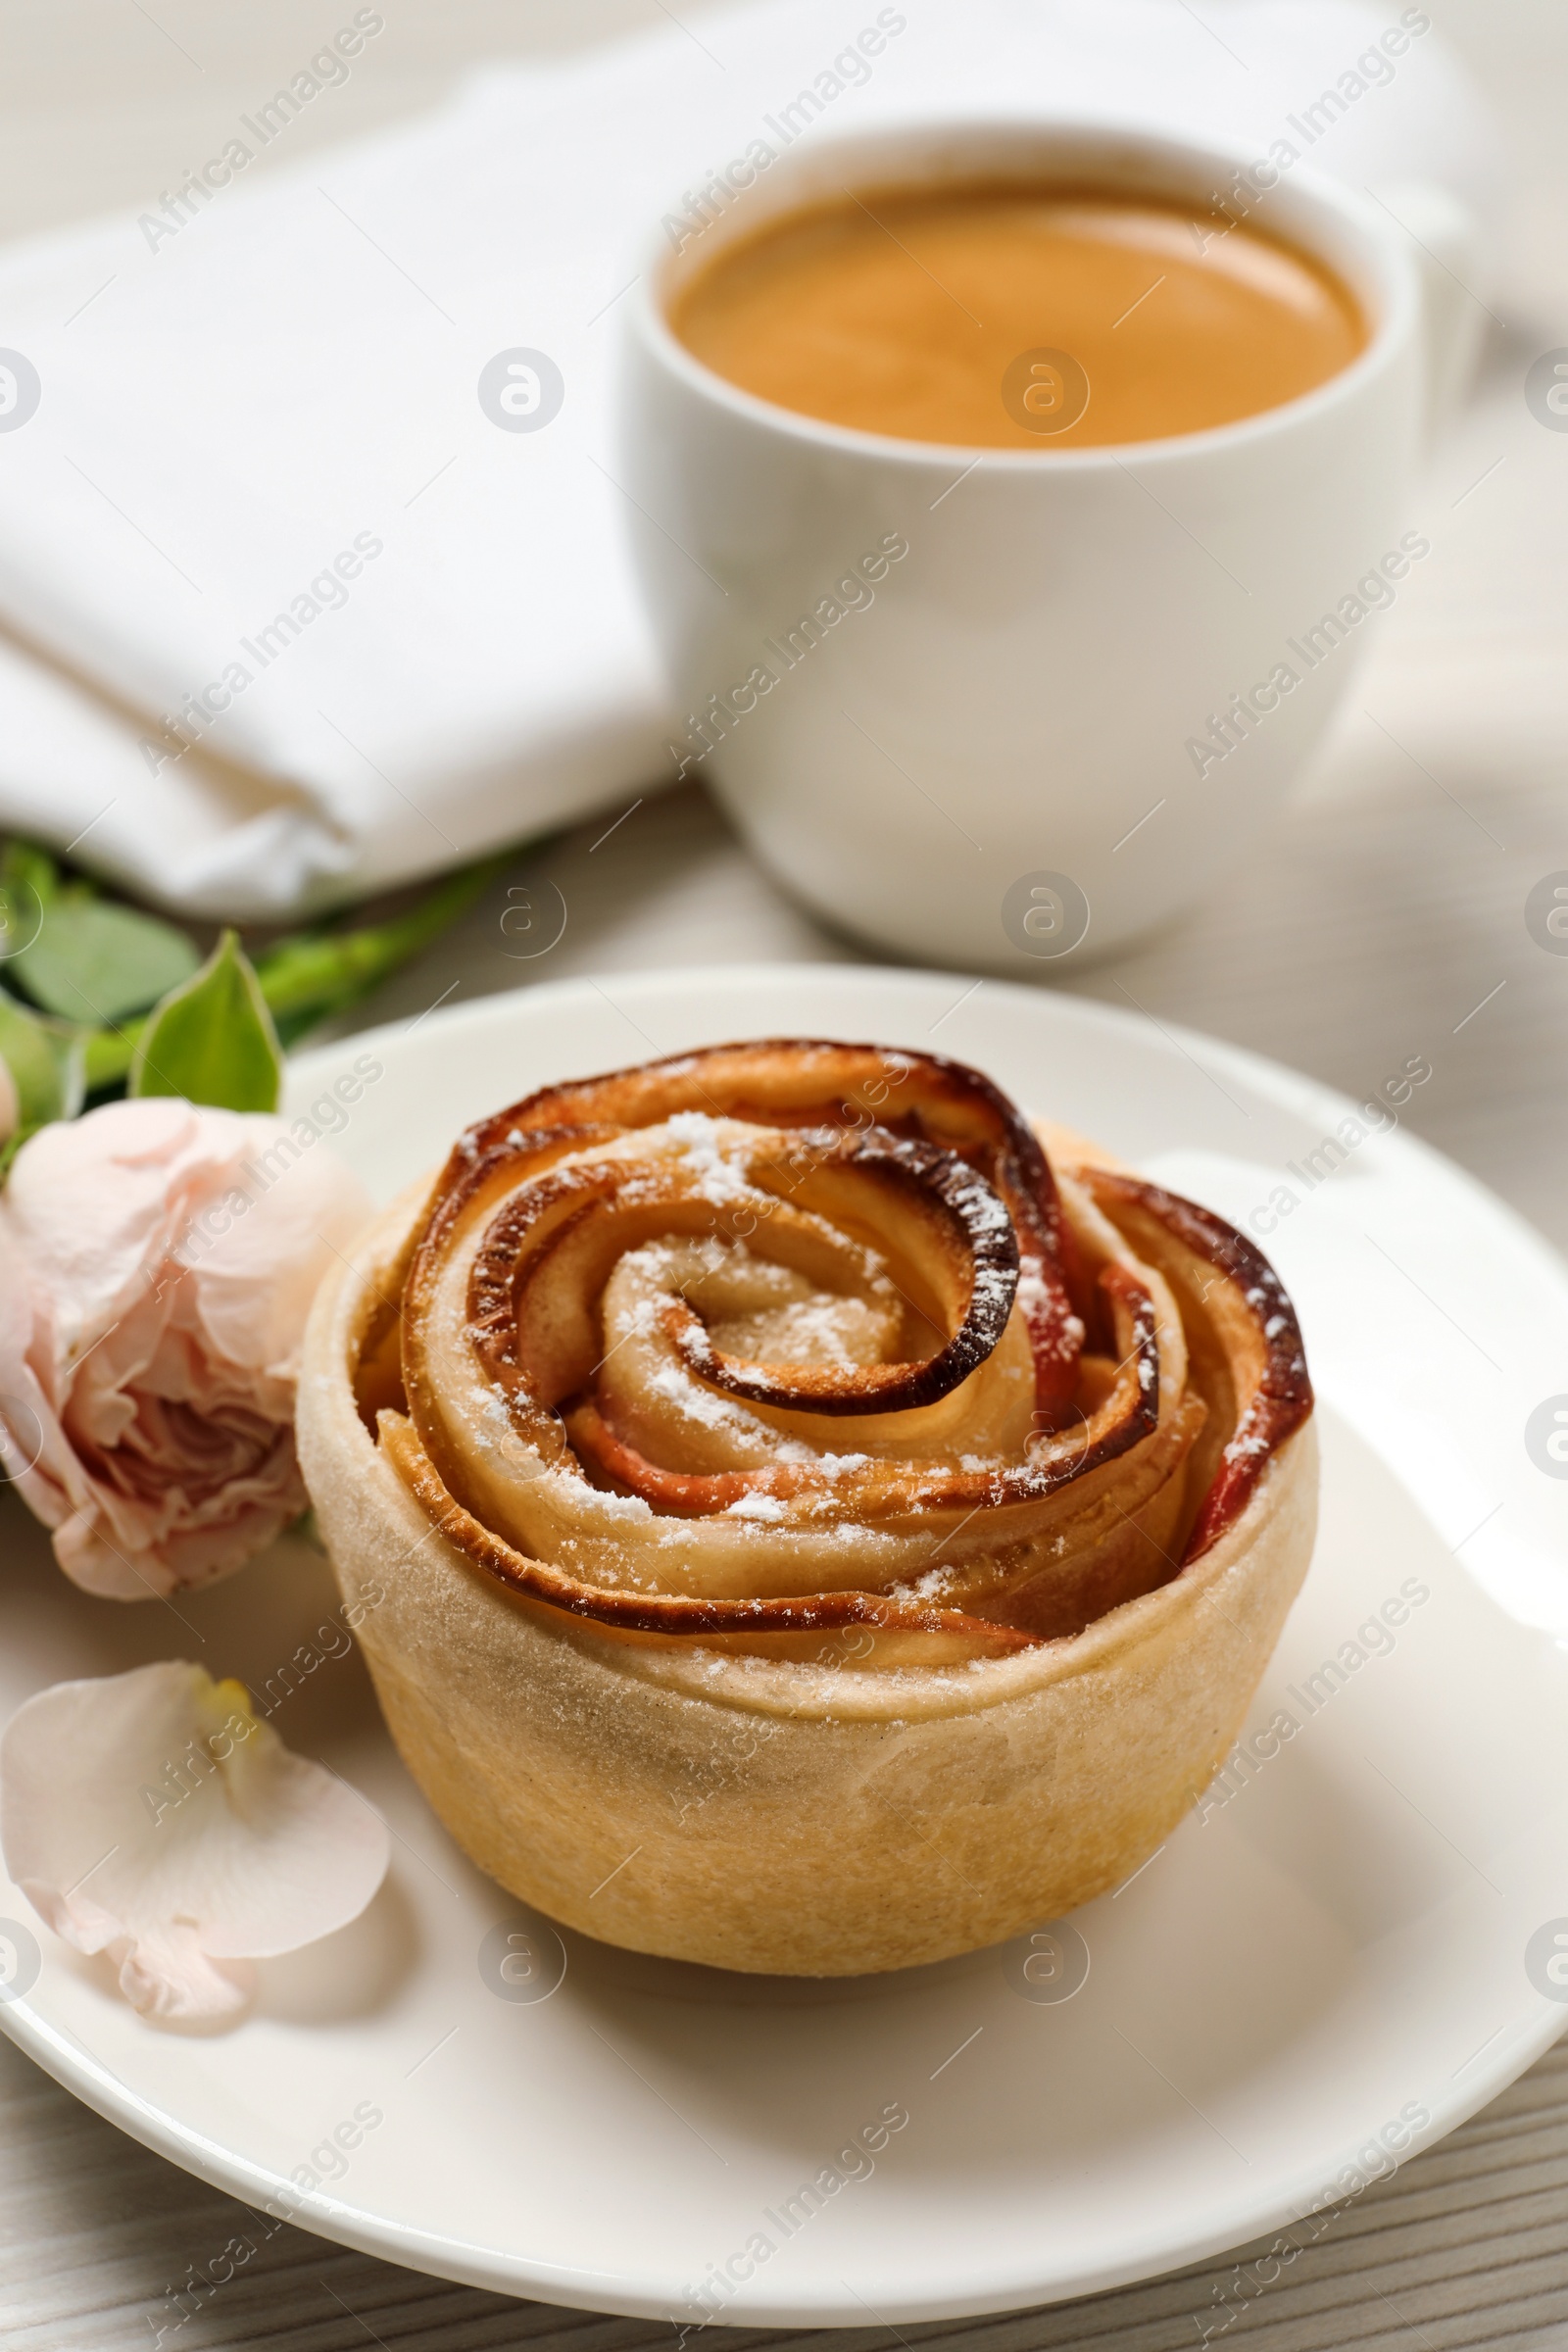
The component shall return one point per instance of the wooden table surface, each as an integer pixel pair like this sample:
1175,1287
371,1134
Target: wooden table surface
1385,918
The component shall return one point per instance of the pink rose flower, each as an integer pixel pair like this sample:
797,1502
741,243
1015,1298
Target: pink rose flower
156,1264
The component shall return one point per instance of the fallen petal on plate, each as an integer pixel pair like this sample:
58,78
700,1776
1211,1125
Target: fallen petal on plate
154,1817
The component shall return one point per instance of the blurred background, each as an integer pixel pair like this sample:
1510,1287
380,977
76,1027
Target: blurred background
1366,929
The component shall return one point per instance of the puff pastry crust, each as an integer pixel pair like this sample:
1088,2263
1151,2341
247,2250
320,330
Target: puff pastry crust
800,1524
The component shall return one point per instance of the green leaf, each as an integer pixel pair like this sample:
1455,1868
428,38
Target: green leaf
45,1065
27,883
212,1040
310,975
93,961
23,866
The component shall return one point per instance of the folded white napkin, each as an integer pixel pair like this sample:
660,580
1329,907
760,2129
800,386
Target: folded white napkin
263,402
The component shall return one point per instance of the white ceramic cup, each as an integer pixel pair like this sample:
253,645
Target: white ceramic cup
996,708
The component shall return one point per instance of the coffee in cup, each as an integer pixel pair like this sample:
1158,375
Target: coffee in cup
1005,314
1081,684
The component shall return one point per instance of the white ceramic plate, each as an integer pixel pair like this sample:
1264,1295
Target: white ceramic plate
1343,1955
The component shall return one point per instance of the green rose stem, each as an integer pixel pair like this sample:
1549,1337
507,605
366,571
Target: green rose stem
310,975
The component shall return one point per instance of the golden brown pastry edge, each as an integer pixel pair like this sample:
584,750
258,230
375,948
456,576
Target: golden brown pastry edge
763,1815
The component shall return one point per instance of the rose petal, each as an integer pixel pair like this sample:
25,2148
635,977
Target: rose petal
29,1434
97,1198
256,1282
157,1263
151,1815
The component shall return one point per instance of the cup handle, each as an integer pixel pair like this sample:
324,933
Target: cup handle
1443,239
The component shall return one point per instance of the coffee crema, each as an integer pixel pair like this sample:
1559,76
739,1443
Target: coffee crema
1009,315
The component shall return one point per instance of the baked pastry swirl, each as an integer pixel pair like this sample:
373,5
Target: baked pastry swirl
805,1529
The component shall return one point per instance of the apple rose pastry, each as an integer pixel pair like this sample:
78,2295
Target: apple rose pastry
794,1529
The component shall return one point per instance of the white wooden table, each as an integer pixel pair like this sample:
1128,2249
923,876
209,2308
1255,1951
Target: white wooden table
1383,918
